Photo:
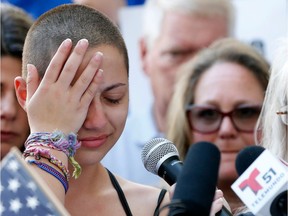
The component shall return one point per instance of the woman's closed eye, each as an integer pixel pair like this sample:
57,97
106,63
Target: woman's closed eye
115,94
112,100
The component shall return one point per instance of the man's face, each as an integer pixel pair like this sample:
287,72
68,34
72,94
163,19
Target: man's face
181,36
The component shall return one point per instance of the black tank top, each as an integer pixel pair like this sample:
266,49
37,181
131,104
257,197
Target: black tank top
123,200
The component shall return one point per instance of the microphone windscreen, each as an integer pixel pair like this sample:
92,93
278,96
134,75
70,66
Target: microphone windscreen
246,157
197,182
155,152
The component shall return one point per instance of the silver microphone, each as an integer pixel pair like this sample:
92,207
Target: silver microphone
160,156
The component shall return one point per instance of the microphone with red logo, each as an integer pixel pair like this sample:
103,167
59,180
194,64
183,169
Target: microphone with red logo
263,182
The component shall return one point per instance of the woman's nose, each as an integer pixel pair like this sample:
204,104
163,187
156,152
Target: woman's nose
9,106
227,128
96,116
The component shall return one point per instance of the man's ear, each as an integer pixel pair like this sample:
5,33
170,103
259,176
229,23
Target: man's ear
21,91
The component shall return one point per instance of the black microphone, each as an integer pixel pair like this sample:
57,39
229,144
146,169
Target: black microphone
161,157
195,188
246,157
262,184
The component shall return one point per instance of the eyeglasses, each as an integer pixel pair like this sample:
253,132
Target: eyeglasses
208,119
283,112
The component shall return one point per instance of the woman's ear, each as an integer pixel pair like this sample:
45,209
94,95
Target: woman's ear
21,91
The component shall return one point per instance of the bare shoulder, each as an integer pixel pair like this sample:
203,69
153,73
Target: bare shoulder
142,199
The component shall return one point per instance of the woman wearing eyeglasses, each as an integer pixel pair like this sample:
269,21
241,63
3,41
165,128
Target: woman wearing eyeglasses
218,99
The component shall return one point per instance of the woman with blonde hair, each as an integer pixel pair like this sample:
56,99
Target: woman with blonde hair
273,121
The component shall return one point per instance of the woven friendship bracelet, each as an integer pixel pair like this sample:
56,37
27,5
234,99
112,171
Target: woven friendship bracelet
67,144
39,153
42,145
51,171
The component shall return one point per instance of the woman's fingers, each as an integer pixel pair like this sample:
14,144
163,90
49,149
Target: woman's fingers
218,203
58,61
218,194
61,100
32,80
73,62
86,85
216,206
64,65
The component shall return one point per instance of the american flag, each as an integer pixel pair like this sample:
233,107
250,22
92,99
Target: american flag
23,192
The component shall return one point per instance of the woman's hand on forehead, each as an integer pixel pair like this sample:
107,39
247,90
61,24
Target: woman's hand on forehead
55,103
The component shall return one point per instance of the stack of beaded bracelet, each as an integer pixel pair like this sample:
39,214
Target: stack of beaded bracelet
57,140
37,144
39,153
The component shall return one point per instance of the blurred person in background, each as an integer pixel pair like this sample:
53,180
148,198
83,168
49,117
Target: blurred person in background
109,7
218,99
273,123
273,120
173,32
35,8
15,24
